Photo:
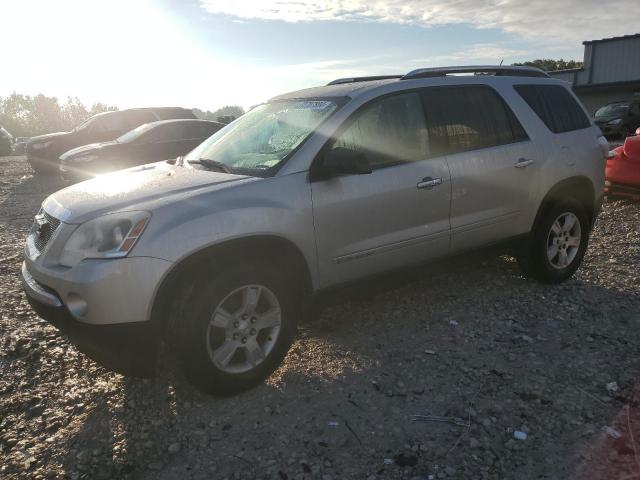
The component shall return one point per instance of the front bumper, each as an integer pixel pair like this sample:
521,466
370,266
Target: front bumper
618,189
98,292
128,348
610,130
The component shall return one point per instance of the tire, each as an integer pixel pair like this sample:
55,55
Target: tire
206,338
537,260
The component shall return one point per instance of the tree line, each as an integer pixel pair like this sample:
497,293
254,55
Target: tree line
550,65
27,115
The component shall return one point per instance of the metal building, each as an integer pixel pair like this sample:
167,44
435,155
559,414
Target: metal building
611,71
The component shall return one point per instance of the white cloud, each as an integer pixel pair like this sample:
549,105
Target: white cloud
549,22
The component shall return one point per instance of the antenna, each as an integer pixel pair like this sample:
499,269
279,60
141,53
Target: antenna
501,61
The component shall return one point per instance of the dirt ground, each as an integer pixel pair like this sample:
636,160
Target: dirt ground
491,356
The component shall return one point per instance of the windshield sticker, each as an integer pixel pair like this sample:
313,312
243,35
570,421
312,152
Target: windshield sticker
314,104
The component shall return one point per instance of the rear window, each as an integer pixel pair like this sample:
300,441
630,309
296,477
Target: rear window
555,106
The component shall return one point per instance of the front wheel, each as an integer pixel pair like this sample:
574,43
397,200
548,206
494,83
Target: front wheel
557,244
237,329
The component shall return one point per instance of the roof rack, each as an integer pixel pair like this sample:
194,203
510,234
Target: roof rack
497,70
340,81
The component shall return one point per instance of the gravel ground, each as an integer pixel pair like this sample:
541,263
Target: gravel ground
468,339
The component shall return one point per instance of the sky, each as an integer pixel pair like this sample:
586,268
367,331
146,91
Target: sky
210,53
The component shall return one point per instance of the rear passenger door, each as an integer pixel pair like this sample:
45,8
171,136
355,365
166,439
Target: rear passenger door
491,159
398,214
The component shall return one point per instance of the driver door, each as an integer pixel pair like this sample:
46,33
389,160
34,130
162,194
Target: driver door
396,215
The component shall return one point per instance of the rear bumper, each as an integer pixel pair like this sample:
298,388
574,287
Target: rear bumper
128,348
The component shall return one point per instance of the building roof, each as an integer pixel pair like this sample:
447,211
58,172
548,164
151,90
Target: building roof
612,39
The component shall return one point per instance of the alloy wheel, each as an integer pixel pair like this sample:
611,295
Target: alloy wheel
563,241
243,329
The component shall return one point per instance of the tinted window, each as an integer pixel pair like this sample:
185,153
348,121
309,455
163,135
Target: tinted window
635,109
170,132
555,106
200,129
135,118
388,131
112,122
169,113
469,118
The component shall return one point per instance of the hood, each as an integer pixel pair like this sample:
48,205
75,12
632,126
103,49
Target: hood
92,147
48,136
135,188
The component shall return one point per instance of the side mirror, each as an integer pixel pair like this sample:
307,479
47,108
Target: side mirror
342,161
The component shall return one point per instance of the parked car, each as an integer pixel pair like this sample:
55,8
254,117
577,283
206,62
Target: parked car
147,143
618,119
6,142
219,252
20,145
623,169
43,151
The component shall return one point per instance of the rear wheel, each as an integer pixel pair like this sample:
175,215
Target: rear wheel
558,243
238,327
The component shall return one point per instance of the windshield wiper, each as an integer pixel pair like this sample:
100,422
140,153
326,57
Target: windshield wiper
212,164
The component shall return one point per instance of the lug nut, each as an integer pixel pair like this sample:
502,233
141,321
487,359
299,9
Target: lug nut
244,339
236,324
253,331
235,336
245,316
254,319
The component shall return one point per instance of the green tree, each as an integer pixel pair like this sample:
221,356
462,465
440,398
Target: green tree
550,65
26,116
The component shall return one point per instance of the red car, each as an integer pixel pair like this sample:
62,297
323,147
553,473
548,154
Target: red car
623,169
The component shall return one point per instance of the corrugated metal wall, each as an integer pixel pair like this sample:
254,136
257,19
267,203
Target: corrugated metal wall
616,60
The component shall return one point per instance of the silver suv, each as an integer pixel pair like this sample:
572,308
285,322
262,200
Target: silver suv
218,251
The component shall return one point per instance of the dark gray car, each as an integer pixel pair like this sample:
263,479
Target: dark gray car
618,119
147,143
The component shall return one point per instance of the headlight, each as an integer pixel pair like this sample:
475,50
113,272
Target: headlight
40,146
617,121
109,236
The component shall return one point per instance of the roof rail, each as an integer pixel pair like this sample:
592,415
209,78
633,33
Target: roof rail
362,79
497,70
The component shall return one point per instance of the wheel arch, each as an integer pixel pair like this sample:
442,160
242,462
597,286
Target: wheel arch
272,247
579,188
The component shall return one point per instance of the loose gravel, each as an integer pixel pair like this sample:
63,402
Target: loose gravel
512,379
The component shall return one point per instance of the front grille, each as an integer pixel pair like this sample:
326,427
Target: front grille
43,229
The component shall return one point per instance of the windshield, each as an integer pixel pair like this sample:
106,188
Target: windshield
134,134
265,136
614,109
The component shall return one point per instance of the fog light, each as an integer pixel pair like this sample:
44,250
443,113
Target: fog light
76,305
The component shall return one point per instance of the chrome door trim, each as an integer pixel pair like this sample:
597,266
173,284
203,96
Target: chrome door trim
390,247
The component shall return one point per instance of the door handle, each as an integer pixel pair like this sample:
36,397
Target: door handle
523,163
429,182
